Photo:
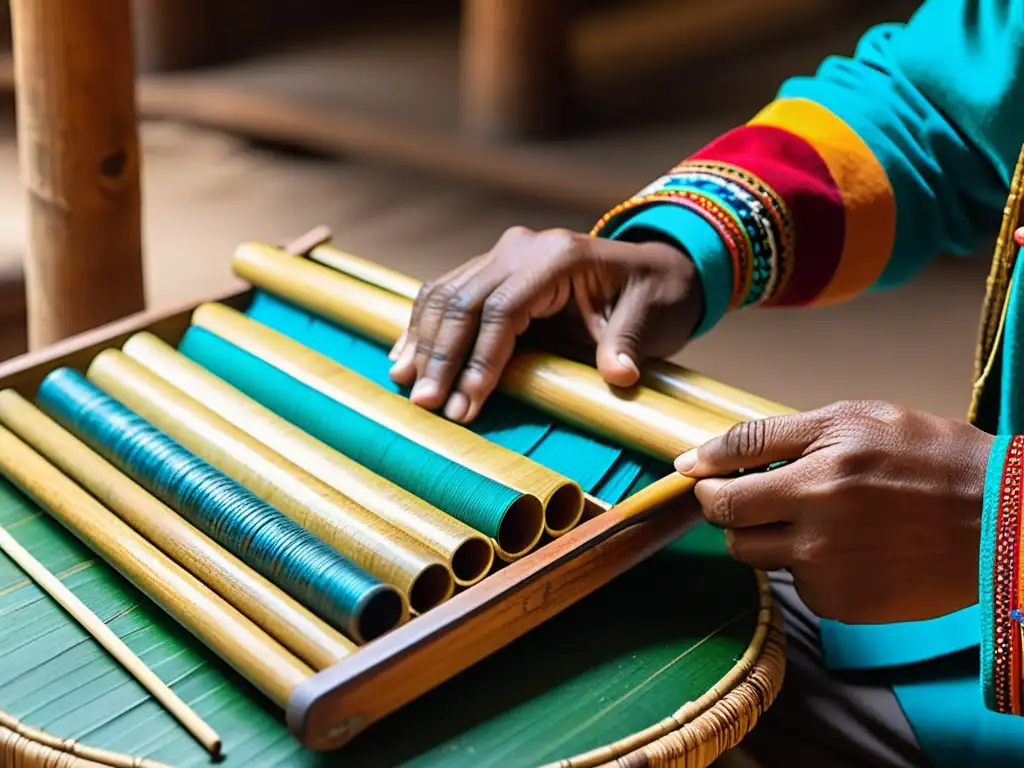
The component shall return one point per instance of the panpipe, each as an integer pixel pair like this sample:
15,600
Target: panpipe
315,564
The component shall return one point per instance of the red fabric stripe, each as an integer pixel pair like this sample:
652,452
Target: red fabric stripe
797,174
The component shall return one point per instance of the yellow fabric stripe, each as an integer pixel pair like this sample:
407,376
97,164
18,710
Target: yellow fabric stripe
868,202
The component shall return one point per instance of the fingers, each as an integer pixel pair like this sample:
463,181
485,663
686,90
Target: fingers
754,444
619,351
447,330
766,549
403,354
754,500
464,327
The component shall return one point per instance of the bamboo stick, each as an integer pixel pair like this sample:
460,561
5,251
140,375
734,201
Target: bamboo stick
156,687
468,553
288,622
80,164
235,639
384,550
660,375
639,417
563,499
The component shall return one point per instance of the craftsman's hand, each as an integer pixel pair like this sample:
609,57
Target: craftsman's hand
631,301
877,515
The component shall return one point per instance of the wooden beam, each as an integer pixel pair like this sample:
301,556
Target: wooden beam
515,67
79,154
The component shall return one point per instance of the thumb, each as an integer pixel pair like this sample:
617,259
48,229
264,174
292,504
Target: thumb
619,346
752,445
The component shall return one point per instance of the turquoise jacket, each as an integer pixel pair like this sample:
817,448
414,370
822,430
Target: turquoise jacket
852,180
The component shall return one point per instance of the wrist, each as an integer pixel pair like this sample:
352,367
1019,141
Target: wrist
699,243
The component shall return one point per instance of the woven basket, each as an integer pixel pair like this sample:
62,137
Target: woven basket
694,736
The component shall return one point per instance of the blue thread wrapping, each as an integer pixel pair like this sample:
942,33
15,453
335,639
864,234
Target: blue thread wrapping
306,567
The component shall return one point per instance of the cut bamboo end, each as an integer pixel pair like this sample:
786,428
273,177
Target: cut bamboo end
469,554
281,616
375,545
234,638
521,527
381,610
431,587
563,509
471,561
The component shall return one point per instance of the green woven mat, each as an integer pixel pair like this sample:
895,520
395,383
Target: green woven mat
613,664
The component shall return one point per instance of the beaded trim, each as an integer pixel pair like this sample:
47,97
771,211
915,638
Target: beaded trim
732,200
1005,592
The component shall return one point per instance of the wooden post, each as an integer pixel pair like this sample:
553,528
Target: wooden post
515,67
79,154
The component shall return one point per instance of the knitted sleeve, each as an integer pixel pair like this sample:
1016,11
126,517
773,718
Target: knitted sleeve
855,177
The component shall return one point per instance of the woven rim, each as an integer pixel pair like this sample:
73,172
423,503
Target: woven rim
692,737
700,731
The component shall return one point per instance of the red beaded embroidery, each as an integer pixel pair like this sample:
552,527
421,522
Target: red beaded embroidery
1004,579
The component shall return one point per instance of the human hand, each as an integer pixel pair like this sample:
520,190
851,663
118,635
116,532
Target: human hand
877,516
631,300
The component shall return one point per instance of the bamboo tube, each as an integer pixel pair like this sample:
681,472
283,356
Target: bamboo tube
235,639
284,619
389,280
114,645
703,392
79,160
385,551
660,375
562,498
639,417
468,553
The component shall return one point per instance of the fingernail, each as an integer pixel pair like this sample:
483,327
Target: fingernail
457,407
405,358
424,390
686,462
627,362
396,350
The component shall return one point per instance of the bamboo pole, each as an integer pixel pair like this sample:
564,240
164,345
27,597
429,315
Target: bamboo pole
234,638
396,413
639,418
79,158
288,622
469,554
374,544
114,645
660,375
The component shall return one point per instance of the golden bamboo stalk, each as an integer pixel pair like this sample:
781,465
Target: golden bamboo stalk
638,417
283,618
660,375
468,553
116,647
229,634
384,550
563,498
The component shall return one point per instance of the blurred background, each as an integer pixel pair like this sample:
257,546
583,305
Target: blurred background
420,131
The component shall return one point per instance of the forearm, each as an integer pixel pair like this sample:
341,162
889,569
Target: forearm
853,179
1001,579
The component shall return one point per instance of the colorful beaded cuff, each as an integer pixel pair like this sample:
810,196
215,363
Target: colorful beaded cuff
751,218
1001,586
